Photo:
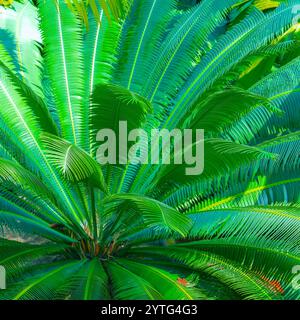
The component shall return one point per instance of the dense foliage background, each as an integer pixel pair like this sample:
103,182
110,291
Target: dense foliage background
71,229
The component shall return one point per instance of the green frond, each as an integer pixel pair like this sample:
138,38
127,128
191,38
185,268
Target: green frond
62,37
245,282
21,122
153,212
143,17
170,66
164,282
15,256
259,124
218,111
116,9
112,104
261,258
42,283
90,283
233,46
35,102
33,225
11,172
100,51
25,46
220,157
5,54
127,285
74,164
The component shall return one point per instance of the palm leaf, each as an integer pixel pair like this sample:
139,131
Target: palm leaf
154,212
128,285
16,223
61,33
73,163
90,283
162,281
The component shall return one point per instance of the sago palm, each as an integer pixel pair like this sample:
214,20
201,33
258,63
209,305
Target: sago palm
72,229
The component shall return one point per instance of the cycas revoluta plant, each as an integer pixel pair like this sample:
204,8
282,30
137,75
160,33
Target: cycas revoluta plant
72,229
